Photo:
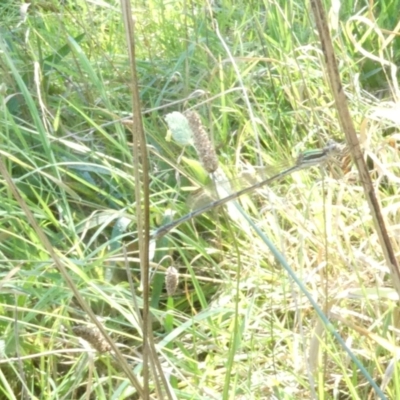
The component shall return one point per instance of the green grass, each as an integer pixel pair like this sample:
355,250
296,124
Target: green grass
237,327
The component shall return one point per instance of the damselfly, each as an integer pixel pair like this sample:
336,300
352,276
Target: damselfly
304,160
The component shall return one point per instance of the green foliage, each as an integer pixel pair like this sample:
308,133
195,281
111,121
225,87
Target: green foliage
237,327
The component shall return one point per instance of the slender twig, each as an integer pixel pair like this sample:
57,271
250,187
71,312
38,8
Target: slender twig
352,140
141,168
140,160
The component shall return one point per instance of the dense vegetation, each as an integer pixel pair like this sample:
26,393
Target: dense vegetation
237,326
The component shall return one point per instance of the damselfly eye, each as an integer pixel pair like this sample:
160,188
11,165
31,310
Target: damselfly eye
333,147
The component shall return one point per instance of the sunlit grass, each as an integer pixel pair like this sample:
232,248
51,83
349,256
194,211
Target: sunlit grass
65,89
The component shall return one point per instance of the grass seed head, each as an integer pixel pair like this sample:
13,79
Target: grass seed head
92,336
171,280
202,143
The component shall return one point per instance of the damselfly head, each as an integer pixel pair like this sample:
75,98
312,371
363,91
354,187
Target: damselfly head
333,148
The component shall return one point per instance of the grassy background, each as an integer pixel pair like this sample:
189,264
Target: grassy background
64,92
